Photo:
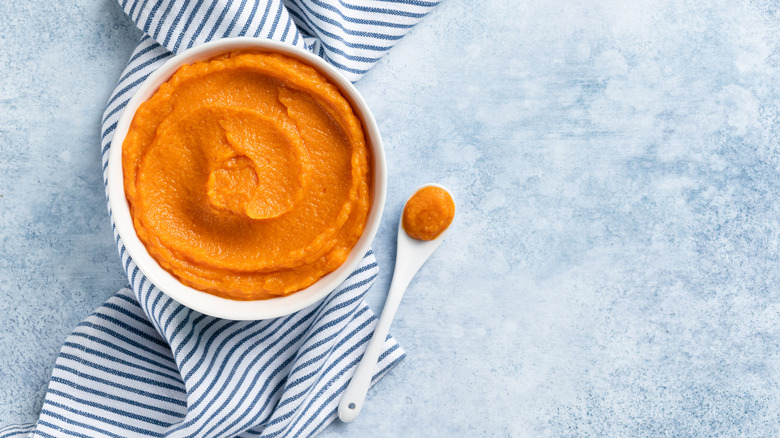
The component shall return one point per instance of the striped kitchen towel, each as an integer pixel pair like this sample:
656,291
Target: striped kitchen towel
144,365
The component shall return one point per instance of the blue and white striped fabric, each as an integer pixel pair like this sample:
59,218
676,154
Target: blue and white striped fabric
144,365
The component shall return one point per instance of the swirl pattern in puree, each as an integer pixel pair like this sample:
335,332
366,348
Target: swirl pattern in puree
247,176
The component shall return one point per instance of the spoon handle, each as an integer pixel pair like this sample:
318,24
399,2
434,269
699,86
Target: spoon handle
353,398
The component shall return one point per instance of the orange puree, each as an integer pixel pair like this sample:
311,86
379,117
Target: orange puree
428,213
247,176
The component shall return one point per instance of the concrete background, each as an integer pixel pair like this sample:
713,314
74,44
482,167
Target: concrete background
613,268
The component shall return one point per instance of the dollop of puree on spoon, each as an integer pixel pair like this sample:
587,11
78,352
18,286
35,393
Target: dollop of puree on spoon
428,213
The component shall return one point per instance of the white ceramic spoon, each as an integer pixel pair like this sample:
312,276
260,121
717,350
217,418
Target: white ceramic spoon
410,256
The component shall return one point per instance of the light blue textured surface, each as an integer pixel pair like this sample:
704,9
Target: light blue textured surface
613,269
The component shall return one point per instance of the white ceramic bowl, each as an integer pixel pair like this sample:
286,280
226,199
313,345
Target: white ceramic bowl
212,304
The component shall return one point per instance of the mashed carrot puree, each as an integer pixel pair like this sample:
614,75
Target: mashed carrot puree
428,213
247,176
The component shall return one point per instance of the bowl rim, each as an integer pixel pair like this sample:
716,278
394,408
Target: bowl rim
205,302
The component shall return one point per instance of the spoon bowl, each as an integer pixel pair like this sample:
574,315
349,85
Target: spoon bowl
412,253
